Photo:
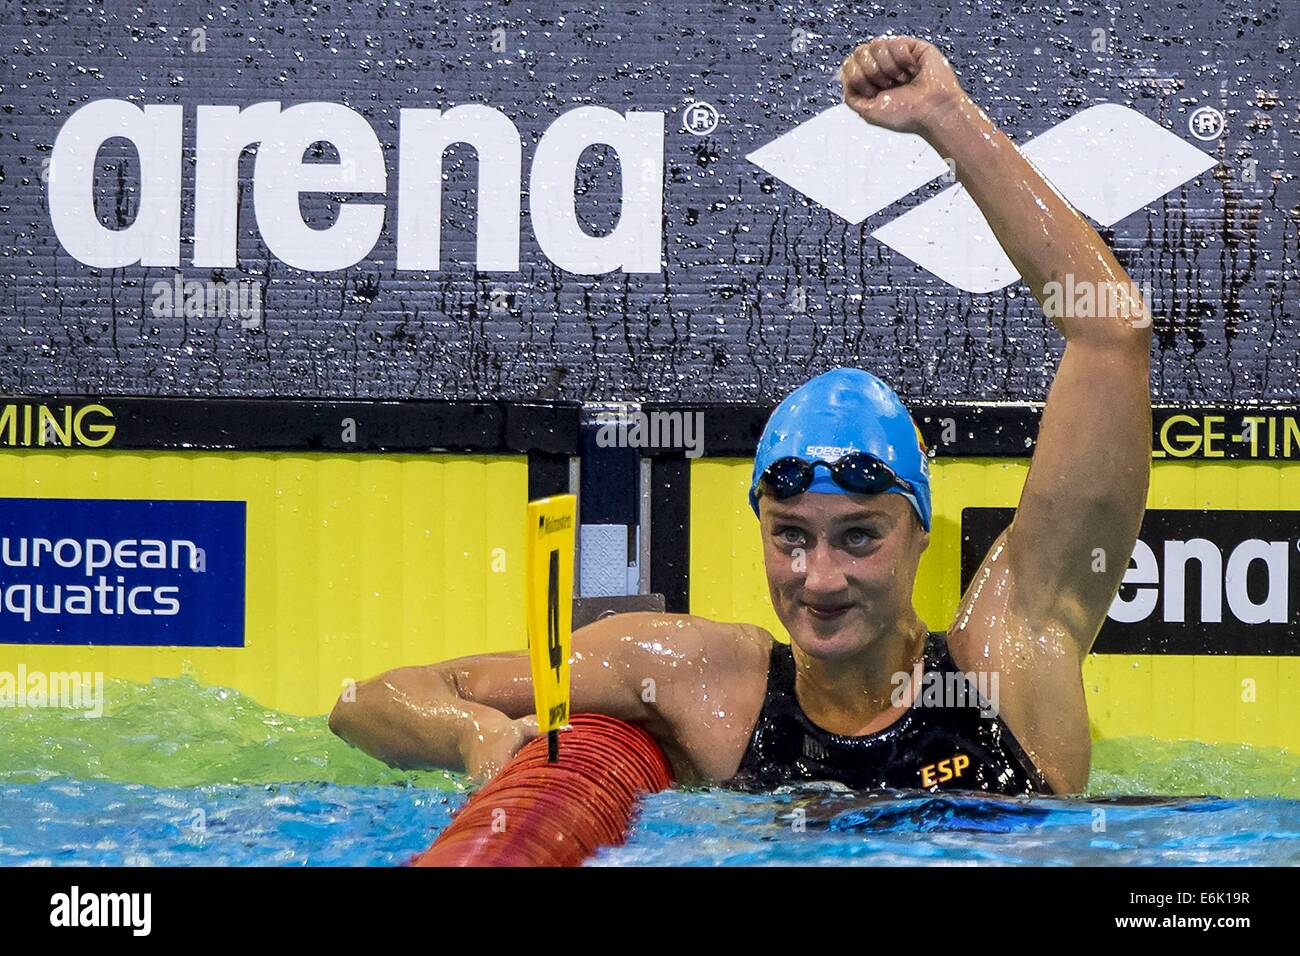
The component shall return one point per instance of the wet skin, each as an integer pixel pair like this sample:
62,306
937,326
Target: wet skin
1030,615
841,571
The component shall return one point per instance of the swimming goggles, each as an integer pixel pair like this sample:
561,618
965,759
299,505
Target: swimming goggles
857,472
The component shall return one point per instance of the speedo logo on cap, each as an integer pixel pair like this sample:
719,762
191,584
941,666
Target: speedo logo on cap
828,452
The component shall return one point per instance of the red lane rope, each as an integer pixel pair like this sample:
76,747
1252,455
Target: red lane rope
535,813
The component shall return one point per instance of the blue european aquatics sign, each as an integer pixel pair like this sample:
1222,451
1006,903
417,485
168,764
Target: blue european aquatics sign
122,572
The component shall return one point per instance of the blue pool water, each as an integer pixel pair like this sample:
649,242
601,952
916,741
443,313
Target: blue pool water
720,828
176,772
303,824
298,824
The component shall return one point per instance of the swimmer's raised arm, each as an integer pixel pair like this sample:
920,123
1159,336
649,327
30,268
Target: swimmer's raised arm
473,713
1086,491
1036,604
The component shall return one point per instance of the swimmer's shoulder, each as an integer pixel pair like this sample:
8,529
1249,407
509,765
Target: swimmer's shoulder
699,642
711,680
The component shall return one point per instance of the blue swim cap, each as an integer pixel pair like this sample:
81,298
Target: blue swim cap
841,411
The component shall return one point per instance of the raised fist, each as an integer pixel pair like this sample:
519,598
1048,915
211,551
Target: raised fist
900,83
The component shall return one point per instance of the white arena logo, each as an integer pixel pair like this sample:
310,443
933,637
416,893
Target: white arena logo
1217,582
1090,158
280,176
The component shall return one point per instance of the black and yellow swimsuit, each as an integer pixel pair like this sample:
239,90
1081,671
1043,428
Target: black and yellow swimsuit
928,748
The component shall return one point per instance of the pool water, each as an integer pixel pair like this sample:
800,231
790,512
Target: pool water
179,773
720,828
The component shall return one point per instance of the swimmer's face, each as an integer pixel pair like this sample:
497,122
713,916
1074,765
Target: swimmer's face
840,568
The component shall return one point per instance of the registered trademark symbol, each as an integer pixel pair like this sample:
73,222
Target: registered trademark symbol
699,118
1206,123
